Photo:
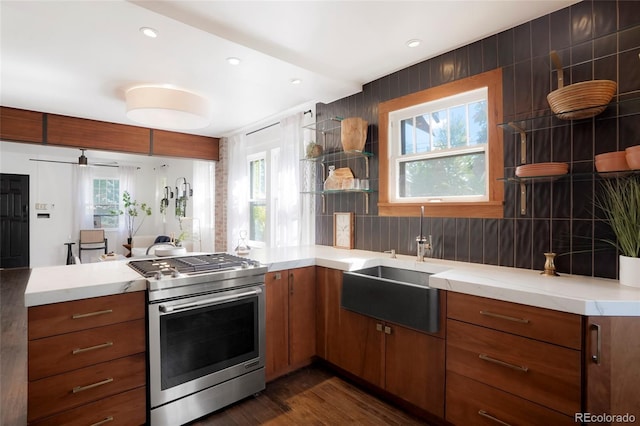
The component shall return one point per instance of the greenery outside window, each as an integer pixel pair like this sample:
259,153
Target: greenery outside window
257,198
106,203
441,148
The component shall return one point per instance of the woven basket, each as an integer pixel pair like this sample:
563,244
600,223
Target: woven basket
581,100
353,133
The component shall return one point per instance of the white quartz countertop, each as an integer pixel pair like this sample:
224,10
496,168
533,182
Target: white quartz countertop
567,293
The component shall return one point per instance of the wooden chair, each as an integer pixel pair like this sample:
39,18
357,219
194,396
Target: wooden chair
92,239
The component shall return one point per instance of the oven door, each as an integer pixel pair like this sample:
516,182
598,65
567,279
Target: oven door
198,342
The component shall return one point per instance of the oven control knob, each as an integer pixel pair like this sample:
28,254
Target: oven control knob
244,265
175,273
158,275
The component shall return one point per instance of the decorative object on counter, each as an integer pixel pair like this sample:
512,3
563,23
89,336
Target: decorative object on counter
579,100
620,204
549,265
131,213
542,169
611,161
314,150
353,133
183,193
632,156
242,248
343,230
341,178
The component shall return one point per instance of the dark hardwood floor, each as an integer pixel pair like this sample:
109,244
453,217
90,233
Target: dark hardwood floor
311,396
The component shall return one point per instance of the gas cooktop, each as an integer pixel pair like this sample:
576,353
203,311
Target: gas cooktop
188,264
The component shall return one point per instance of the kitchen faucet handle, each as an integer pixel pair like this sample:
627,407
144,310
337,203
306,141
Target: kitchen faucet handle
393,253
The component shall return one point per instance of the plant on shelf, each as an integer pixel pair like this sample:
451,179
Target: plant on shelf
620,204
133,209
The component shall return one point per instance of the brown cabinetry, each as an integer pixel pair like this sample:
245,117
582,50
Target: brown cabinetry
87,364
291,320
406,363
524,362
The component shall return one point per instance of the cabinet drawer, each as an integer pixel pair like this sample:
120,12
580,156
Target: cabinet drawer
66,317
70,390
472,403
556,327
66,352
537,371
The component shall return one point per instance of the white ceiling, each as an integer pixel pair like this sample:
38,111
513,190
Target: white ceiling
78,57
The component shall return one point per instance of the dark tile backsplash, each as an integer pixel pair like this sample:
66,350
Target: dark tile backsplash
595,40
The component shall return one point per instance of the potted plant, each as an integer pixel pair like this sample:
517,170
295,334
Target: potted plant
131,213
620,204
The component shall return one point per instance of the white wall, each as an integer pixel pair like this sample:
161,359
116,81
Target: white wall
51,184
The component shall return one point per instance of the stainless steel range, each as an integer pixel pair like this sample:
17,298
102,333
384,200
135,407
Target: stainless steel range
206,333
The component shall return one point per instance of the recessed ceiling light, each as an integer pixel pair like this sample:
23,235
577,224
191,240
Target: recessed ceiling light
295,81
233,61
413,43
149,32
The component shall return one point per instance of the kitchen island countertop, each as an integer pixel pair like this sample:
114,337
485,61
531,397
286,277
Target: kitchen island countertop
568,293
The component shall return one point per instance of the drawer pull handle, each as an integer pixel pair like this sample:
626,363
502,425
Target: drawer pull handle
598,356
490,417
91,386
502,363
505,317
101,422
92,348
91,314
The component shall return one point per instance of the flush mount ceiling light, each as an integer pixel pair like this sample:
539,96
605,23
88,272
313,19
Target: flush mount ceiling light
413,43
295,81
149,32
166,107
233,61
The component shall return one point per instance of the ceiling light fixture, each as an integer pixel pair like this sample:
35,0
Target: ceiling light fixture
165,107
413,43
149,32
295,81
233,61
82,160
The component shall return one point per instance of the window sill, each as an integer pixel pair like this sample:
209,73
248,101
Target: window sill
487,209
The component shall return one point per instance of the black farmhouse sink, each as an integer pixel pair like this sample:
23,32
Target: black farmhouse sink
401,296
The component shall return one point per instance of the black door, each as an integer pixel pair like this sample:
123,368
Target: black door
14,221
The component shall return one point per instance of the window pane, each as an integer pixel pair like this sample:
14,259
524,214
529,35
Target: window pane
458,126
459,175
258,179
106,203
423,133
478,123
406,136
257,220
440,126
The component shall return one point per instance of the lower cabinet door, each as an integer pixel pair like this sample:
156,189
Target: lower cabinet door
472,403
125,409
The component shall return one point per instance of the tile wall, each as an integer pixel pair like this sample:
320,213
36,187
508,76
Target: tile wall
595,40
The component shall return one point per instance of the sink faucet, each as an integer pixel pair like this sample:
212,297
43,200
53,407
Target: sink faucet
423,244
393,253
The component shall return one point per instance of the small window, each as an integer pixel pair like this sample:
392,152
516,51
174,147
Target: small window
441,148
106,203
257,198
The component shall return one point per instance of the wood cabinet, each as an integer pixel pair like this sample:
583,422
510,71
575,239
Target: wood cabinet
611,359
21,125
406,363
291,320
507,351
87,361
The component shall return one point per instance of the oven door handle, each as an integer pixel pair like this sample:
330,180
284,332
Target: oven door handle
206,302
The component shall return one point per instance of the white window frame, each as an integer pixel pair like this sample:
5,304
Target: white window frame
117,205
396,158
261,155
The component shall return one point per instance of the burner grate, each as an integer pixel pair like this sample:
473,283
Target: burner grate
187,264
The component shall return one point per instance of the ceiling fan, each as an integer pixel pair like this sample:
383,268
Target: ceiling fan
82,161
